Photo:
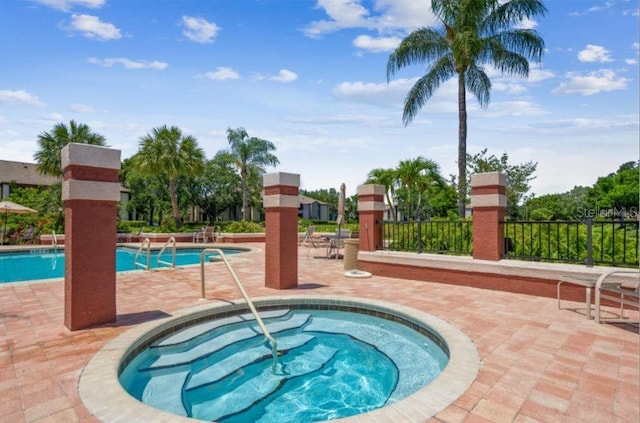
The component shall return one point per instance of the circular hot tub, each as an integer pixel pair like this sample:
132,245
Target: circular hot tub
336,359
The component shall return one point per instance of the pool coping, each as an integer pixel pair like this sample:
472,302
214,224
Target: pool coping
104,396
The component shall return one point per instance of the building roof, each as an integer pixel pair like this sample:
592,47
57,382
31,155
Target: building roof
24,174
308,200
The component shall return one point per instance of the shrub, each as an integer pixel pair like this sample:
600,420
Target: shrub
243,226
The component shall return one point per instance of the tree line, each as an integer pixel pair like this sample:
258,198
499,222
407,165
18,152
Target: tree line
171,172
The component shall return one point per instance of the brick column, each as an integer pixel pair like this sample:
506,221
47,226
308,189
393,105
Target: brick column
281,203
90,192
488,202
370,211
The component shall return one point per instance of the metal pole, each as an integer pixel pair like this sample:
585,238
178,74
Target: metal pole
589,260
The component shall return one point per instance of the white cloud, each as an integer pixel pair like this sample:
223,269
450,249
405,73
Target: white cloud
595,82
284,76
53,117
527,24
631,61
82,108
594,53
385,15
128,64
512,108
199,30
20,97
221,73
509,87
92,27
66,5
537,75
376,45
391,94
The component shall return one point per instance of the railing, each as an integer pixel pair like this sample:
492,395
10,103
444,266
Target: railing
54,240
171,240
145,243
265,332
613,243
432,236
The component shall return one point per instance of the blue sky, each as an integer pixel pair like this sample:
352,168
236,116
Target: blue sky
310,76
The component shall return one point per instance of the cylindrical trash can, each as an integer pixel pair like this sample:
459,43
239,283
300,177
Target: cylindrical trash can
351,247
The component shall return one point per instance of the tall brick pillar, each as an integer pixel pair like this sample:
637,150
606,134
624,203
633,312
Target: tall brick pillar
371,210
90,192
281,203
488,202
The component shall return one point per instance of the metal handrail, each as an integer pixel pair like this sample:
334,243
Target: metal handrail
173,255
265,332
146,242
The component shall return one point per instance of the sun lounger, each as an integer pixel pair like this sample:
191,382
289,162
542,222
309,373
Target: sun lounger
624,292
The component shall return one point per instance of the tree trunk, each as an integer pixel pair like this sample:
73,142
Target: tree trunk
243,175
174,202
462,146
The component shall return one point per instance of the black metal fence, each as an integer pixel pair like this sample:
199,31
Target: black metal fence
612,243
431,236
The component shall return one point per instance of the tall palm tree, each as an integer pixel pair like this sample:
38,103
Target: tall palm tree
51,143
385,177
166,152
474,33
251,154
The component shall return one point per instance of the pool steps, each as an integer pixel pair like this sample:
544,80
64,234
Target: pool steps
262,386
213,345
234,363
191,333
238,343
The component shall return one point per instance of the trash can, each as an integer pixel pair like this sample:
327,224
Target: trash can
351,247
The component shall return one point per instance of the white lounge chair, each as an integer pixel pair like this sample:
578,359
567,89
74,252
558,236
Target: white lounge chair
625,292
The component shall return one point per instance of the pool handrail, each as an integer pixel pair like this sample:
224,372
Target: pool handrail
265,332
146,242
173,253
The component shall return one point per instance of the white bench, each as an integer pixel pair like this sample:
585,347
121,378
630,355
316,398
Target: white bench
623,293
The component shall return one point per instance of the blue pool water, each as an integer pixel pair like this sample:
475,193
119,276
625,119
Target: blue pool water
46,264
332,364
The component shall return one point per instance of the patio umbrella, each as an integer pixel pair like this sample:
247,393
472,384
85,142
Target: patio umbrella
340,219
7,207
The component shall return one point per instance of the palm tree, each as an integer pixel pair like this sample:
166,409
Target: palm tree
251,154
417,175
474,33
52,143
385,177
166,152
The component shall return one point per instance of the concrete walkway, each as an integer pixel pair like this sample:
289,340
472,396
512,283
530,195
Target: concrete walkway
538,363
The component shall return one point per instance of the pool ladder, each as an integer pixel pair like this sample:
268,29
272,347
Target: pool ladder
265,332
146,246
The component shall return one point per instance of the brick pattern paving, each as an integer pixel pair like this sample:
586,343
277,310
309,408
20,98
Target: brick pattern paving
539,364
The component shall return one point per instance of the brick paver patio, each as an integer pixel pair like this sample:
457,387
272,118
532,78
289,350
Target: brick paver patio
538,363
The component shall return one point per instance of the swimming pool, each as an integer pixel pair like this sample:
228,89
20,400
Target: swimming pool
103,394
38,264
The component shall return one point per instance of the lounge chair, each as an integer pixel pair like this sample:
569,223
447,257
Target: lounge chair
206,233
28,236
623,292
311,240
